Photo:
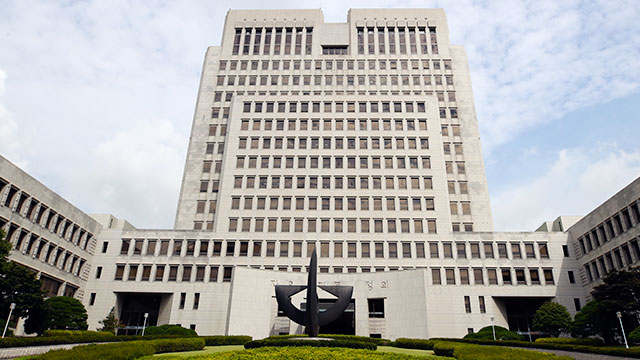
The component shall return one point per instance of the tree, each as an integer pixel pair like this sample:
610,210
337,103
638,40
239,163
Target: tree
619,291
552,318
595,319
18,284
66,313
111,322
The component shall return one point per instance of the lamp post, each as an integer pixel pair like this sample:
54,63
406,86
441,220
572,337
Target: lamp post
619,315
144,324
11,307
493,328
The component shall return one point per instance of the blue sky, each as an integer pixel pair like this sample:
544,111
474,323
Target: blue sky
97,97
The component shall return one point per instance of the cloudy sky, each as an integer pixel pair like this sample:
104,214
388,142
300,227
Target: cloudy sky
97,97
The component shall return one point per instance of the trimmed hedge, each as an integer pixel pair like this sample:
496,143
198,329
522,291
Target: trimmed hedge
308,343
477,352
89,338
578,341
125,351
414,344
311,353
50,333
226,340
487,333
377,341
169,329
614,351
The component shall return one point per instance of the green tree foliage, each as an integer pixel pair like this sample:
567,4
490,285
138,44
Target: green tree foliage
595,319
37,322
620,291
169,330
66,313
487,333
111,323
634,336
17,284
552,318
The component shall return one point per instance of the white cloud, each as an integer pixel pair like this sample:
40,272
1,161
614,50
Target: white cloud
576,182
86,78
9,136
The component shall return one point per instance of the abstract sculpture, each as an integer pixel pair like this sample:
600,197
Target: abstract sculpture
312,318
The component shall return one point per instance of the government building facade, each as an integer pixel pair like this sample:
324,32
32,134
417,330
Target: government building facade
359,140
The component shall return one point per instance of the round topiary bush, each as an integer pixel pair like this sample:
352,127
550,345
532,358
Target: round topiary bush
487,334
168,329
634,336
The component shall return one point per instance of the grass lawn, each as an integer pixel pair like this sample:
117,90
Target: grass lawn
205,351
217,349
414,352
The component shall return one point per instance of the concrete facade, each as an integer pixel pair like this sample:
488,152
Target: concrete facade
358,139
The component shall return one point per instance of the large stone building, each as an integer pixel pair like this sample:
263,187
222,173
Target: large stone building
358,139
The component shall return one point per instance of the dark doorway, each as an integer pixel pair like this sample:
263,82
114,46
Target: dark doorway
520,313
134,306
345,324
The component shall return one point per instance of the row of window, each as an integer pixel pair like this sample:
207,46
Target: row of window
339,203
377,37
338,143
616,259
324,182
31,244
336,80
32,209
338,162
337,64
336,249
613,226
270,107
250,41
170,273
335,225
335,125
452,276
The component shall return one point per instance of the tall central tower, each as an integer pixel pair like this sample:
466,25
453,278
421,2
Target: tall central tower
335,131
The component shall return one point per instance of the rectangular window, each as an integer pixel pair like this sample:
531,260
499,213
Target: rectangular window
183,299
196,301
376,308
435,277
483,307
467,304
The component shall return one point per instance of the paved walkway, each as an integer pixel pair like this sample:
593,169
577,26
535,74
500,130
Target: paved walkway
15,352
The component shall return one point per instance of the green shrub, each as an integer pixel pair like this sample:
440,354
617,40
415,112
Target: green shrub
226,340
169,329
414,344
487,333
317,343
613,351
307,352
634,336
49,333
579,341
95,337
178,345
477,352
377,341
124,350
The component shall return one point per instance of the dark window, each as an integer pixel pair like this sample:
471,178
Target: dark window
98,272
467,304
376,308
105,246
227,274
565,250
183,299
572,278
92,299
